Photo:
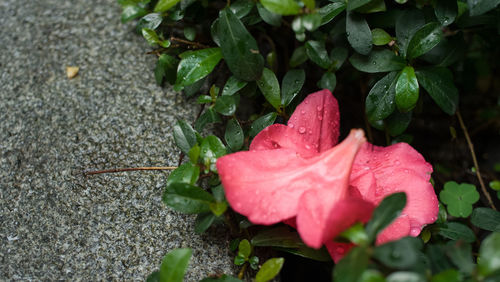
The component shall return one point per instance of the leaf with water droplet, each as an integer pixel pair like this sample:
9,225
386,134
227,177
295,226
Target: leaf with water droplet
446,11
377,61
270,88
291,85
187,198
380,99
195,65
234,135
358,32
399,254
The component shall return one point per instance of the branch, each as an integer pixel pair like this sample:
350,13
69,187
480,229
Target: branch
130,169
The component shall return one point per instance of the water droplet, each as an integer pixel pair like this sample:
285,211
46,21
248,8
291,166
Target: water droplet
397,162
291,125
319,108
414,231
374,63
308,147
306,102
320,117
366,168
396,254
302,130
310,132
407,171
302,112
340,250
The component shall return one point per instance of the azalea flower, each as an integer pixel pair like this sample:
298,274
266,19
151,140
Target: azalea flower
297,174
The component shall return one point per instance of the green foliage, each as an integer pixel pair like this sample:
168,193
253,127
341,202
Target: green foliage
269,269
173,266
459,198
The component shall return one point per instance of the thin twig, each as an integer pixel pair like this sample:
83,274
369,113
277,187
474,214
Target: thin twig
242,271
130,169
474,160
196,44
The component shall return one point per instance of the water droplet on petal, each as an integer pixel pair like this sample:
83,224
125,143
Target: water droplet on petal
414,231
319,108
302,112
308,147
291,125
302,130
320,117
397,162
340,250
366,168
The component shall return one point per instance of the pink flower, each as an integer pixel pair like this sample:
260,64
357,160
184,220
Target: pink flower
297,172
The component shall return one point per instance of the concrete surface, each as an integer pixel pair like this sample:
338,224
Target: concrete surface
56,224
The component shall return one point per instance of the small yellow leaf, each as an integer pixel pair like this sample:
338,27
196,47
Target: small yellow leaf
72,71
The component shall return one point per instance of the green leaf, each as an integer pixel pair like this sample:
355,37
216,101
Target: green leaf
270,87
166,68
218,208
330,11
460,253
190,90
150,36
189,33
195,65
153,277
232,86
446,11
371,275
486,218
311,21
187,198
380,99
299,56
245,249
269,269
310,4
239,48
204,99
359,34
495,185
185,173
239,259
396,123
174,265
372,7
212,148
406,25
447,276
377,61
354,4
351,267
380,37
184,136
424,39
234,135
259,124
388,210
459,198
164,5
203,222
356,234
400,254
241,8
316,51
489,257
438,82
405,276
479,7
328,81
132,10
194,154
406,90
268,16
291,85
281,7
254,262
209,116
226,105
456,231
151,21
338,56
309,253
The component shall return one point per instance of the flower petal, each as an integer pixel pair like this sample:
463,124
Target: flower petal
317,119
396,230
279,136
338,250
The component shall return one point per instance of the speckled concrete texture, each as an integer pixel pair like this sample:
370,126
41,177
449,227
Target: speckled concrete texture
56,224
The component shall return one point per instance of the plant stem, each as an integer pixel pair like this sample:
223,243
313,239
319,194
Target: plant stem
130,169
474,160
192,43
242,271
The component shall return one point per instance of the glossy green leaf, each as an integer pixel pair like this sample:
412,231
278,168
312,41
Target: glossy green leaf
291,85
406,90
406,25
174,265
189,33
131,10
190,90
388,210
489,257
194,154
310,4
311,21
184,136
380,37
195,65
328,81
424,39
447,276
164,5
309,253
204,99
269,269
316,51
354,4
259,124
400,254
232,86
459,198
456,231
185,173
351,267
380,100
486,218
359,34
495,185
330,11
479,7
446,11
268,16
153,39
151,21
241,8
245,249
405,276
299,56
356,234
203,222
218,208
281,7
211,149
234,135
280,236
377,61
166,69
238,47
153,277
371,275
226,105
397,122
254,262
187,198
460,253
209,116
270,87
438,82
338,55
372,7
239,259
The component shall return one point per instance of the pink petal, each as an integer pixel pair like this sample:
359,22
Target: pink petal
338,250
317,119
266,185
396,230
279,136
